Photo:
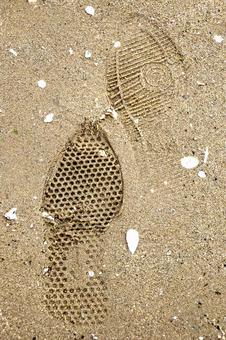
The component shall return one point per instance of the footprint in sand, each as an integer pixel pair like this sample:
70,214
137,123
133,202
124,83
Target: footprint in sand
142,74
82,194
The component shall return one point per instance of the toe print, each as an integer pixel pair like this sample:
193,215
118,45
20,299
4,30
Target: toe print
82,194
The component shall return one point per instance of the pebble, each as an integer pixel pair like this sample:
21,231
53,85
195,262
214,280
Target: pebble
42,83
218,39
88,54
189,162
32,1
132,238
49,118
90,10
11,214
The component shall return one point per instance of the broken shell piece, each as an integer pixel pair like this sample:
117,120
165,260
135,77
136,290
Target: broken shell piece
42,83
11,214
102,153
88,54
218,39
45,270
71,51
132,239
189,162
90,273
32,1
117,44
200,83
90,10
49,118
206,155
46,215
202,174
111,111
14,52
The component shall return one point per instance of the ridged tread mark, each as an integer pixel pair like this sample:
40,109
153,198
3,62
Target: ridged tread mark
140,79
83,192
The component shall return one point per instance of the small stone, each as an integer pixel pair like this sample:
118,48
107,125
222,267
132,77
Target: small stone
42,83
11,214
90,10
88,54
49,118
32,1
117,44
218,39
189,162
71,51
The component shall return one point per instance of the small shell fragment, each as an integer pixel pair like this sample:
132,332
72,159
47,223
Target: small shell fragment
132,239
218,39
90,273
90,10
42,83
11,214
117,44
202,174
189,162
102,153
206,155
71,51
14,52
49,118
46,215
88,54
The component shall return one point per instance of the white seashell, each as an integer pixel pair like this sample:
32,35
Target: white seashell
102,153
49,118
88,54
11,214
42,83
71,51
117,44
111,111
90,273
189,162
90,10
206,155
46,215
14,52
218,39
132,238
202,174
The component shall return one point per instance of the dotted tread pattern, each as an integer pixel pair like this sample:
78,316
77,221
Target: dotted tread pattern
82,194
140,76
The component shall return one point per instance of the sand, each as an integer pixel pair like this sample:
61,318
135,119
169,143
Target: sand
173,287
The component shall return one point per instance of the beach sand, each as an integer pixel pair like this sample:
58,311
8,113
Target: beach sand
173,287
